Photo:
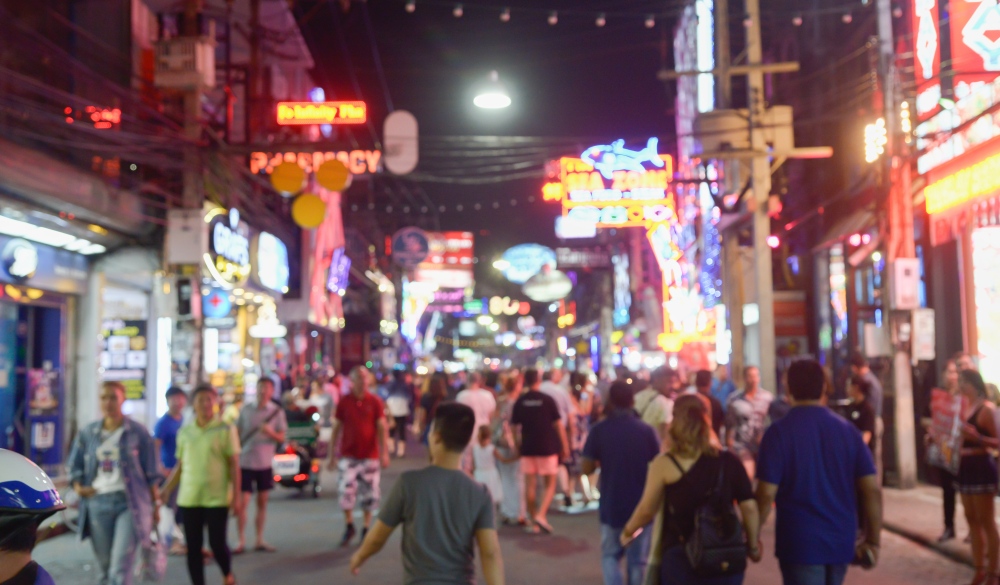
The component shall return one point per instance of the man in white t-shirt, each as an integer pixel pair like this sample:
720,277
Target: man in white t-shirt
482,402
655,404
480,399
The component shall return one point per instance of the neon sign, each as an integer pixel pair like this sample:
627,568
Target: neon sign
507,306
306,113
358,162
614,157
272,263
927,57
611,186
567,314
228,259
977,180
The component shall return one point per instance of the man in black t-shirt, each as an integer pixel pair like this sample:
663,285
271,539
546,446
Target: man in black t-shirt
860,412
541,439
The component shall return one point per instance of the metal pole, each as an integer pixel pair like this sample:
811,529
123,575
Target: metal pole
760,173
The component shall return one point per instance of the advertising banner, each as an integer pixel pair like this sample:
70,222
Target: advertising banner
44,421
124,356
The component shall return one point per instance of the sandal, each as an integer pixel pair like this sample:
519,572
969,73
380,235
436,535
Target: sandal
546,528
532,529
264,547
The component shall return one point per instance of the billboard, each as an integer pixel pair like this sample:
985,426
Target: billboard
975,48
449,260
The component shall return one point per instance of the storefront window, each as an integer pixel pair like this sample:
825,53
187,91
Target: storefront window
986,274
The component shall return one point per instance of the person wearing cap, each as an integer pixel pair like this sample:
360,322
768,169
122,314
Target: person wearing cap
112,467
21,516
165,437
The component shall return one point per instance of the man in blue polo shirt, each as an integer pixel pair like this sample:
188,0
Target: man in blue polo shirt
813,464
622,446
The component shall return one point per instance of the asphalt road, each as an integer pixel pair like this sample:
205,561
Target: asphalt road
307,531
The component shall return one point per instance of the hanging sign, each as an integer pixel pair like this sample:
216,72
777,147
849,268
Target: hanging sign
582,258
410,246
521,262
358,162
124,356
613,186
271,260
228,258
306,113
340,271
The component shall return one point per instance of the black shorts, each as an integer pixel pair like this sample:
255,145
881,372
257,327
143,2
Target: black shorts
263,478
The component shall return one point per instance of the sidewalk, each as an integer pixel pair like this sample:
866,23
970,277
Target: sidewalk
918,515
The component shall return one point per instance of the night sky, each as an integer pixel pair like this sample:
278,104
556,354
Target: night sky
573,85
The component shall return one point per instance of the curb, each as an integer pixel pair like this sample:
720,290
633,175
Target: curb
958,556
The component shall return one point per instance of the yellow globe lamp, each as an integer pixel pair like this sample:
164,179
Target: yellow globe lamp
308,211
333,175
288,178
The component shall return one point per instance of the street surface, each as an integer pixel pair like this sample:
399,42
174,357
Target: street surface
307,531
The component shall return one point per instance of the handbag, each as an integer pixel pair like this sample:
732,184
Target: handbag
716,546
153,561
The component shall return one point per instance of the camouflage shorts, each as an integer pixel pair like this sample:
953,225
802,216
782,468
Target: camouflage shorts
359,483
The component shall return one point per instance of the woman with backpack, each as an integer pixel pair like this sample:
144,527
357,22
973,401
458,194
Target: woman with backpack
694,485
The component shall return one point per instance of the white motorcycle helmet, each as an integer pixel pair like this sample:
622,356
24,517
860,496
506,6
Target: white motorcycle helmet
27,495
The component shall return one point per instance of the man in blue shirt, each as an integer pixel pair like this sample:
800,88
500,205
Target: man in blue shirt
165,437
813,464
622,446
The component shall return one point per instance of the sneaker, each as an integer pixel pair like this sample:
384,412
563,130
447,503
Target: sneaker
348,535
948,534
364,533
567,500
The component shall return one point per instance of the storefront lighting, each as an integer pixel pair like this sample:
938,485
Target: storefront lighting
484,320
258,299
49,237
876,256
238,291
494,326
492,96
247,363
421,370
240,302
501,265
248,295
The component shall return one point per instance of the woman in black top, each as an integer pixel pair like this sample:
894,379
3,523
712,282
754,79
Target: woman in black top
977,477
679,482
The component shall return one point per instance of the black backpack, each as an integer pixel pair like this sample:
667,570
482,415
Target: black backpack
716,547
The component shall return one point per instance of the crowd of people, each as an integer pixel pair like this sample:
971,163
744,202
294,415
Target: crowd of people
689,468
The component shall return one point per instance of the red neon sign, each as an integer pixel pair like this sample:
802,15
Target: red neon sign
304,113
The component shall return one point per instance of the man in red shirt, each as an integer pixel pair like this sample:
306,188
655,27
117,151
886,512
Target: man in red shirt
360,427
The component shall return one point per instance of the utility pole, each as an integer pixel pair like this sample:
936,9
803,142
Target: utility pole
732,278
760,179
192,197
896,173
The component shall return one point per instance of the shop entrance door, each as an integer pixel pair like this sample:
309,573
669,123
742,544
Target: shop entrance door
32,354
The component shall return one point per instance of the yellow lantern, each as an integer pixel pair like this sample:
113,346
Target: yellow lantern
308,211
333,175
288,177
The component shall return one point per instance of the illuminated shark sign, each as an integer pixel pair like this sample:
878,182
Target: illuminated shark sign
613,186
609,158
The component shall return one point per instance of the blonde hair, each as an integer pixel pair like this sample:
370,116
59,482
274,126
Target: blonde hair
691,430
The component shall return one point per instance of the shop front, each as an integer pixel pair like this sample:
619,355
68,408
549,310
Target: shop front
963,205
39,301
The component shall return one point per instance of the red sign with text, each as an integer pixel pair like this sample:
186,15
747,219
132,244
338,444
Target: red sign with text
926,57
975,43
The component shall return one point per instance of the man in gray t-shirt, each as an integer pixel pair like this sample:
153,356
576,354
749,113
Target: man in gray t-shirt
443,511
261,426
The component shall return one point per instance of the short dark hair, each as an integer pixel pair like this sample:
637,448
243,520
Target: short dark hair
266,380
530,377
547,376
203,388
859,361
22,538
703,378
454,423
864,386
806,380
175,391
661,374
974,379
621,396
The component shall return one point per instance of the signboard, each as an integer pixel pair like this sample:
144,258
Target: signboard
975,52
409,247
568,228
41,266
520,263
622,292
271,260
449,260
44,420
358,162
228,258
448,301
334,113
927,57
124,355
340,272
548,286
613,186
582,258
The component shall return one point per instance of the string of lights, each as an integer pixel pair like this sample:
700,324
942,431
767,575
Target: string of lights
648,18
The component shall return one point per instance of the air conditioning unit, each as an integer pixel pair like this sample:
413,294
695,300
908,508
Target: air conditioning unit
904,284
186,63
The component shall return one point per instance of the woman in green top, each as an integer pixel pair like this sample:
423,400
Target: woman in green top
208,471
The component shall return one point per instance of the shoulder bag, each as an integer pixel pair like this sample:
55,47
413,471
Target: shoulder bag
716,546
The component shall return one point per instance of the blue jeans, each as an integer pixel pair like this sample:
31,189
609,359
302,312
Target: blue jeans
612,553
676,568
813,574
113,538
